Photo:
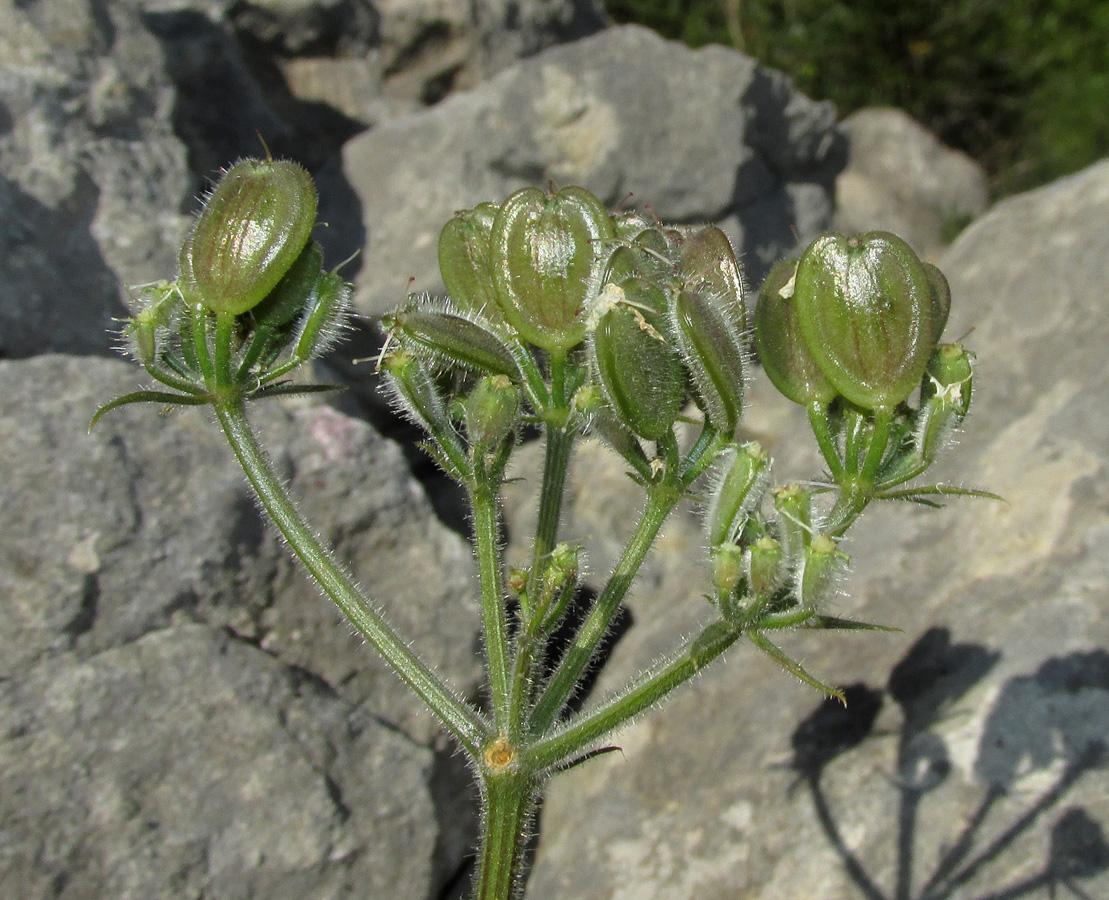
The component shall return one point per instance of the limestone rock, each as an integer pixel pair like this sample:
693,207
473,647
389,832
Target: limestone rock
900,178
148,521
92,178
698,135
971,755
188,763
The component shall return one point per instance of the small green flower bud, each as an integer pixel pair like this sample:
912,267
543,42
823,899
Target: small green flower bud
455,339
782,349
547,253
727,572
649,252
865,308
588,400
293,292
158,304
944,398
560,580
251,230
941,300
712,348
464,260
707,261
738,491
640,372
823,565
765,567
491,412
949,376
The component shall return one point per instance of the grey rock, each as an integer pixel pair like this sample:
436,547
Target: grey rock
173,689
222,105
148,521
977,736
697,135
92,177
900,178
190,764
300,27
429,47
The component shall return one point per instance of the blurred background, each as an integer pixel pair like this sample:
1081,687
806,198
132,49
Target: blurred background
1020,85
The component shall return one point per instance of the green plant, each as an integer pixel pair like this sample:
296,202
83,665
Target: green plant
572,319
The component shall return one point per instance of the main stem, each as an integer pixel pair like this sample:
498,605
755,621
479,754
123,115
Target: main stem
509,799
460,719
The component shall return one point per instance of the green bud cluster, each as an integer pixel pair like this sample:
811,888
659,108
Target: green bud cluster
602,320
251,301
851,330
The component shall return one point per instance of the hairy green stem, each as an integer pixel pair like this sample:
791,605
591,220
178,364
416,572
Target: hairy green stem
650,687
660,501
508,801
556,460
494,617
460,719
818,419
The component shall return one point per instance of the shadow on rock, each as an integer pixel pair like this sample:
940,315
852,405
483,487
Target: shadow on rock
1048,727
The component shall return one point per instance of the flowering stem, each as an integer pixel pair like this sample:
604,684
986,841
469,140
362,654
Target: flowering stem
508,801
460,718
650,687
494,620
660,501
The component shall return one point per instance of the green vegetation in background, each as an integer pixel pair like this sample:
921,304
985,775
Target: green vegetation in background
1021,85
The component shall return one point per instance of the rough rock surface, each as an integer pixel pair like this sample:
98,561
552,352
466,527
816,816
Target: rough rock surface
702,135
971,756
139,578
900,178
189,764
92,177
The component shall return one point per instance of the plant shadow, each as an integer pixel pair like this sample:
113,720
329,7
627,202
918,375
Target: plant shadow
1052,722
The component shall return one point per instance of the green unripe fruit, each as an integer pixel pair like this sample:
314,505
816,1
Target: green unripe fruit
547,252
640,372
415,390
944,398
865,308
464,260
823,564
765,566
707,261
712,348
782,349
727,571
794,506
941,299
251,230
455,339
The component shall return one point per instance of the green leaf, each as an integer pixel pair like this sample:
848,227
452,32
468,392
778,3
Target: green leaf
834,623
147,397
792,666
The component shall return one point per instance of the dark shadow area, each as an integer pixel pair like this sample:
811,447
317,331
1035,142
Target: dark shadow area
230,91
1054,720
57,292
